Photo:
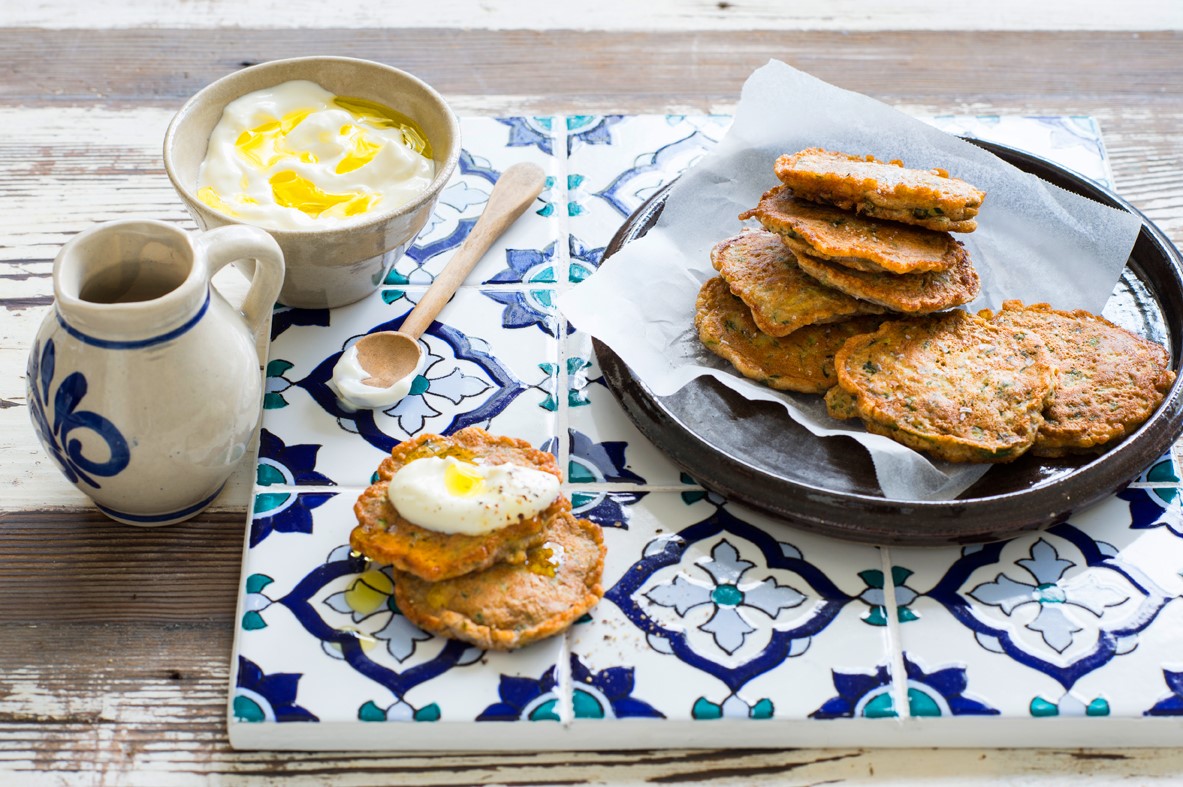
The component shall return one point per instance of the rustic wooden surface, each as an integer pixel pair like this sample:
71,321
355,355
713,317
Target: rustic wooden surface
115,642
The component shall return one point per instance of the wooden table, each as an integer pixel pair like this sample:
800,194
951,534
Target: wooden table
115,642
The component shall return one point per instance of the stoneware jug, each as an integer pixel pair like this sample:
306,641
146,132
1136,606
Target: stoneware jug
144,384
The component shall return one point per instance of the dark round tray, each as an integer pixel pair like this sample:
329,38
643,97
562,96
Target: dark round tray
753,452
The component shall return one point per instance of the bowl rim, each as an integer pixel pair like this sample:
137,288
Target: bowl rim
369,221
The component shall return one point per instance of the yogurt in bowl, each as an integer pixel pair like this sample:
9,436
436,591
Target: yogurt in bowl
340,160
296,156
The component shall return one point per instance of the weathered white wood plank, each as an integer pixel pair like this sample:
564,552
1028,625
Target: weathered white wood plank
658,15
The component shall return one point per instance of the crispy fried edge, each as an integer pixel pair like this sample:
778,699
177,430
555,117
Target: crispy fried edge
822,270
1056,447
819,186
814,316
798,243
453,625
747,366
487,548
948,447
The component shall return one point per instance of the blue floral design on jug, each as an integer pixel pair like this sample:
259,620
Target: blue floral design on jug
67,418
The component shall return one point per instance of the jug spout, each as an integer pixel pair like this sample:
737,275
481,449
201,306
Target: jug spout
140,285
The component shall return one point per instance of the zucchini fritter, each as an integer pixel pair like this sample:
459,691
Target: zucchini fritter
840,404
854,241
803,361
913,293
883,190
1110,380
952,384
763,273
386,537
508,606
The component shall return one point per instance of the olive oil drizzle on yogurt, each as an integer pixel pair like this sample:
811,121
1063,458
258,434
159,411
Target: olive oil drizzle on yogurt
296,156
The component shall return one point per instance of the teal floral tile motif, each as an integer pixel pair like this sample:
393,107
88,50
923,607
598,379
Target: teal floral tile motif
283,511
397,711
607,694
1172,705
281,464
936,693
503,377
1164,472
729,626
259,697
705,614
875,596
256,601
584,259
1059,623
716,617
525,699
463,199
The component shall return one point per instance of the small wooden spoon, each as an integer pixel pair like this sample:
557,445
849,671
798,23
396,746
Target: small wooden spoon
389,356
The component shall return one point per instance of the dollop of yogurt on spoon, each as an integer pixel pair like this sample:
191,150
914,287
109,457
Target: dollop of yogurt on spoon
349,384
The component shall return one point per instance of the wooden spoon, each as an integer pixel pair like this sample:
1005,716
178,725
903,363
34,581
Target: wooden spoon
389,356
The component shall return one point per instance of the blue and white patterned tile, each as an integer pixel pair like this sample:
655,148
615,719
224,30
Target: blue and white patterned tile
314,609
1046,623
597,427
492,360
1163,473
712,611
526,253
618,162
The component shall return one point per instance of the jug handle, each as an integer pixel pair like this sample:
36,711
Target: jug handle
225,245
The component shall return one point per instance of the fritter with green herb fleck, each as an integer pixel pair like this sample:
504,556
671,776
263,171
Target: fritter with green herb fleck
383,535
803,361
913,293
1110,380
953,384
508,606
883,190
854,241
763,273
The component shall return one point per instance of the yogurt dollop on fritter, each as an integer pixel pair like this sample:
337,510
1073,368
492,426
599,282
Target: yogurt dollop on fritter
884,190
763,273
952,384
1110,380
385,535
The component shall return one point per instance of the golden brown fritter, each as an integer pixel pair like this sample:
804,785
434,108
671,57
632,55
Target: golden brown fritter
803,361
883,190
840,404
763,273
1110,380
854,241
952,384
508,606
386,537
914,293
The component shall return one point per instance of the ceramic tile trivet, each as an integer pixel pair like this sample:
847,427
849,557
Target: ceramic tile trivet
719,627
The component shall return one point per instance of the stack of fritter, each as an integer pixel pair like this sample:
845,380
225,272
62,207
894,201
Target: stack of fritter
826,266
803,305
498,590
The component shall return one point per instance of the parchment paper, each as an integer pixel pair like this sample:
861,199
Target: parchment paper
1034,241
